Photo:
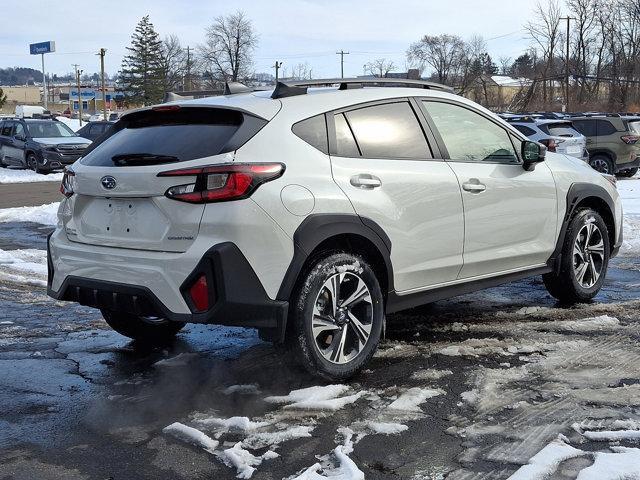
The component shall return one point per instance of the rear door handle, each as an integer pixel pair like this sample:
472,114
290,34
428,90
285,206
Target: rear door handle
365,181
474,187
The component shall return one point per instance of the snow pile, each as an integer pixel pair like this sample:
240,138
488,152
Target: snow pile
45,214
272,439
72,123
383,428
28,266
9,175
192,436
224,425
244,461
630,194
317,398
546,461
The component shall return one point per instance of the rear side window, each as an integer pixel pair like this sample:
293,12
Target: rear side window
313,131
585,127
388,131
6,129
154,137
526,130
604,127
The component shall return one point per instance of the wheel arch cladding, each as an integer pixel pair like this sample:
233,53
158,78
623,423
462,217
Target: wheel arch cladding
326,232
587,195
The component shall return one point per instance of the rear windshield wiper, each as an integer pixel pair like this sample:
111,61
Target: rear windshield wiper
141,159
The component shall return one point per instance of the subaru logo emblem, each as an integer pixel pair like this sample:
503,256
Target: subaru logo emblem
108,182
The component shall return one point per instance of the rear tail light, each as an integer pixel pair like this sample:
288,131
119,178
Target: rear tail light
199,294
222,183
66,186
551,144
630,139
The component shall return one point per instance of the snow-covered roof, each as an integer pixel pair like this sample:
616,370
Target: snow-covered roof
506,81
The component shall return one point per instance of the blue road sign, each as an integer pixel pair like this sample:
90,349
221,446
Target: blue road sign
42,47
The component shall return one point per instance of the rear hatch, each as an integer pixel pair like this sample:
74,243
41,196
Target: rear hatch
567,139
118,198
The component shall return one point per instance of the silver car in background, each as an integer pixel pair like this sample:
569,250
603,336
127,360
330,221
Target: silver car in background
557,135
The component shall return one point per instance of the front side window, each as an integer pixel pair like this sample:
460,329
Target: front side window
470,137
388,131
19,130
49,130
345,143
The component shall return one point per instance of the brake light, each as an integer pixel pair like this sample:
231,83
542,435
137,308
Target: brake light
66,186
551,144
199,293
165,108
630,139
222,183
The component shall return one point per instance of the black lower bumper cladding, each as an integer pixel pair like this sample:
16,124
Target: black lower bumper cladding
239,298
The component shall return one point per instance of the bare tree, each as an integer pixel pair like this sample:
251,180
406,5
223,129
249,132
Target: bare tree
228,49
379,67
172,64
440,52
505,64
301,71
545,32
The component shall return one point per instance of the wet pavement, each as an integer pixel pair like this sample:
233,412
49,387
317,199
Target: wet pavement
515,370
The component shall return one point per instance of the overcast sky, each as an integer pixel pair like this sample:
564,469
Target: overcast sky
292,31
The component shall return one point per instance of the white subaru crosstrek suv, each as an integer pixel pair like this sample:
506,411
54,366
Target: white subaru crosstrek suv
311,213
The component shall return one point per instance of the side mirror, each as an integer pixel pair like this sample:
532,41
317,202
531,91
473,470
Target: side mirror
532,153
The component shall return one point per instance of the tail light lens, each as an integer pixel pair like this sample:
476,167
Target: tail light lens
630,139
222,183
66,186
551,144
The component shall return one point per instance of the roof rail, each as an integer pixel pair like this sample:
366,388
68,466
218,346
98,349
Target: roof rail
291,88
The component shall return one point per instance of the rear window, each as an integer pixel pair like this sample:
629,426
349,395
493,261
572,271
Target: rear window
525,130
153,137
563,129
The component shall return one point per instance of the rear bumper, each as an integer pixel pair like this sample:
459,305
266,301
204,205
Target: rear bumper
629,165
237,296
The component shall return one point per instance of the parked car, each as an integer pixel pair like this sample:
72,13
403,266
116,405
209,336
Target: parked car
557,135
41,145
311,214
29,111
613,147
94,130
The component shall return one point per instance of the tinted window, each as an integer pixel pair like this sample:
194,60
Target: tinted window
173,136
388,131
562,129
526,130
6,129
96,129
345,143
313,131
19,130
585,127
604,127
469,136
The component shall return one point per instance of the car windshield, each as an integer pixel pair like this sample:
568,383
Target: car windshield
634,127
49,130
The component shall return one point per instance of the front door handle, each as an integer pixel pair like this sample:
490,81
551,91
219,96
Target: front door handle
474,186
365,181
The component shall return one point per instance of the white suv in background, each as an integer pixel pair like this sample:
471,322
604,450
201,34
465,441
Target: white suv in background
311,213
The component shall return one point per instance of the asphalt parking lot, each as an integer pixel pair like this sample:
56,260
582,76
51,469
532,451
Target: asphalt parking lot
499,375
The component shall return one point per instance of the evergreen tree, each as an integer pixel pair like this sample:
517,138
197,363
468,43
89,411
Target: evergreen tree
141,74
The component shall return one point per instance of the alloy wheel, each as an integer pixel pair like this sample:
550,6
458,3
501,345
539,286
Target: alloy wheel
600,165
342,317
588,255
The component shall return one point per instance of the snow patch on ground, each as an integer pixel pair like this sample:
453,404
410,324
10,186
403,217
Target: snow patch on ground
179,360
317,398
271,439
10,175
244,461
629,191
192,436
383,428
430,374
224,425
410,400
45,214
28,266
245,389
546,461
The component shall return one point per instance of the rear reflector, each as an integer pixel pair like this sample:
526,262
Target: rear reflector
222,183
66,187
199,293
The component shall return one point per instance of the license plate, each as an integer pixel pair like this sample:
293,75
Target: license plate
572,150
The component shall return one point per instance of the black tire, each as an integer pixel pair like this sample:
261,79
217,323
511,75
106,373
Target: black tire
602,164
628,173
140,328
310,292
32,163
564,284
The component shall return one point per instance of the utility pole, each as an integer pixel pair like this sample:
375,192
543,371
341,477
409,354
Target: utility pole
104,93
566,72
277,66
342,53
44,86
188,79
78,73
